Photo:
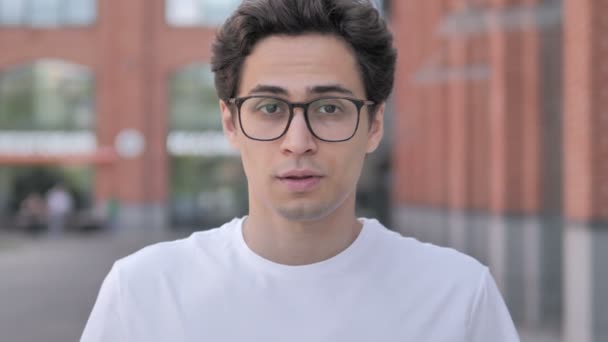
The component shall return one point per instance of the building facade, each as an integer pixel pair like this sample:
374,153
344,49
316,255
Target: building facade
133,49
499,148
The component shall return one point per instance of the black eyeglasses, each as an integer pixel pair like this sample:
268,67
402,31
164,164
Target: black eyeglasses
331,119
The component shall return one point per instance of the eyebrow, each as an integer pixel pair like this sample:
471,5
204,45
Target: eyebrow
333,88
321,89
261,88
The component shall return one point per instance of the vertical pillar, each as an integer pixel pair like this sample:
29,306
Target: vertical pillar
157,109
505,119
478,175
458,123
417,140
578,109
578,288
127,118
531,112
437,145
105,187
585,114
514,111
585,168
402,154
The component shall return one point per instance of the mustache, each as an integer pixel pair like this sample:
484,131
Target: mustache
299,164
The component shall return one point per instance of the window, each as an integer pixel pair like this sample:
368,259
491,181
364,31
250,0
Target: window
47,13
11,12
199,12
212,12
207,182
193,99
47,95
46,109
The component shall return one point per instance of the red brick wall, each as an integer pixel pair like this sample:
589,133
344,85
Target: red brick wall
420,104
585,115
475,142
459,123
468,137
479,156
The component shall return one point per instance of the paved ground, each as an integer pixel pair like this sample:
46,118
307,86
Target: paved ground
48,287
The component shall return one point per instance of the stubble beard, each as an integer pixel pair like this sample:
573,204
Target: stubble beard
307,212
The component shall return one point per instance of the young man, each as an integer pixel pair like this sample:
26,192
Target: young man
302,87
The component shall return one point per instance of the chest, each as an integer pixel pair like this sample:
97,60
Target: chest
266,309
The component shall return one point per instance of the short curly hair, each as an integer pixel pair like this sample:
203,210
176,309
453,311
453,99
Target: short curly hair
357,22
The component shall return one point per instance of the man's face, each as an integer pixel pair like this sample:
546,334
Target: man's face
298,176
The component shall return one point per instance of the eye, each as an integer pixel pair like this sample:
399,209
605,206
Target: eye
328,109
269,108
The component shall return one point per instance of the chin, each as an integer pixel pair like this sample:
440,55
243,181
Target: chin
304,213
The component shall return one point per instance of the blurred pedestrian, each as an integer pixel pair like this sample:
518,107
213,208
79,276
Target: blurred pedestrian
59,205
32,213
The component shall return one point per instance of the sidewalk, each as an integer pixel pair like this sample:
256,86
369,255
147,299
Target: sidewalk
48,287
527,335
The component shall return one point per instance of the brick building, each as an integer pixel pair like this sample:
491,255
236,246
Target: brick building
481,117
499,147
133,49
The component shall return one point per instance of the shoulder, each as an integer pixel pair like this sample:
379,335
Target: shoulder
409,255
176,256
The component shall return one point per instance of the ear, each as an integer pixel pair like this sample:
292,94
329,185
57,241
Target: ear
229,124
376,130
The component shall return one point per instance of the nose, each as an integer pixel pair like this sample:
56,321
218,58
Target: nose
298,139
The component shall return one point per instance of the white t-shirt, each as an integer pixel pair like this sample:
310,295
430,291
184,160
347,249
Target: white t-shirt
383,287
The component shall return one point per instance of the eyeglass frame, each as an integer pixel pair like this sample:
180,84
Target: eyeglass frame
238,102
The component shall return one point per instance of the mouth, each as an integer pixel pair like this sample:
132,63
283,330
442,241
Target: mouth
300,181
298,178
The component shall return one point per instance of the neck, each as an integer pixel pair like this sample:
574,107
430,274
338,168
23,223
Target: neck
287,242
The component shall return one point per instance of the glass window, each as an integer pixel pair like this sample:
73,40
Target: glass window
11,12
199,12
47,95
182,12
47,13
79,12
193,100
46,108
212,12
43,12
207,182
381,5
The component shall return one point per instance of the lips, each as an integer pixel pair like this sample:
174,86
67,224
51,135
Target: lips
300,180
299,174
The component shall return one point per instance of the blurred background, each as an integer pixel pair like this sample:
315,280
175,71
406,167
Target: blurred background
110,140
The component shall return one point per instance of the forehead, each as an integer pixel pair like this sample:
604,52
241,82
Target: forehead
301,63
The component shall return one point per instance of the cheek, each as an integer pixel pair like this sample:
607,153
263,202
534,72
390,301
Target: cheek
255,163
347,167
249,163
